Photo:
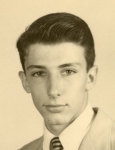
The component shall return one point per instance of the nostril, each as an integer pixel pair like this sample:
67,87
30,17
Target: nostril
54,94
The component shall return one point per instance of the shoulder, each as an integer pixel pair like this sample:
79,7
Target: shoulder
103,129
34,145
102,121
113,136
101,134
101,117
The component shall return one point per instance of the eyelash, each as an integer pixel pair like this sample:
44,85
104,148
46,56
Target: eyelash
64,73
39,73
69,72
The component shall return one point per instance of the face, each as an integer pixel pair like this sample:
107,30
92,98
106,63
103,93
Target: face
57,79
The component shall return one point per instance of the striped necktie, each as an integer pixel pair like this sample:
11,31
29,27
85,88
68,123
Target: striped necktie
55,144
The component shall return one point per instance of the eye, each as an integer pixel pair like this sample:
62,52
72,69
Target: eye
39,74
68,72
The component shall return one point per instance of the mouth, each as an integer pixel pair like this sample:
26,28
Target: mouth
55,108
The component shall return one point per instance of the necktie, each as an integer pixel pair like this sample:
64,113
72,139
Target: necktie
55,144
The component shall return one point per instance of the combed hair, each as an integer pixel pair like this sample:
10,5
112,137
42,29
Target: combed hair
56,28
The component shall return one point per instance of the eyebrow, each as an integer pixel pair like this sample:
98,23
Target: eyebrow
60,66
36,66
69,65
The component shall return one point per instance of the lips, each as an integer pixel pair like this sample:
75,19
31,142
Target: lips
55,108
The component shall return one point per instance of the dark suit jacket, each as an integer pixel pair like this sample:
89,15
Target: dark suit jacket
101,135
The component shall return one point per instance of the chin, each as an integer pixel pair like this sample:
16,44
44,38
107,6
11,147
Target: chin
56,121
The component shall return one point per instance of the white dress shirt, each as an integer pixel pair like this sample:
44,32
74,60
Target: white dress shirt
72,136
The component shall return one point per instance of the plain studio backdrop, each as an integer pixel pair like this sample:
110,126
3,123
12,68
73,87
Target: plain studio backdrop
19,120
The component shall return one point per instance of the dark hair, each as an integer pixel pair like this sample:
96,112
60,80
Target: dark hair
57,28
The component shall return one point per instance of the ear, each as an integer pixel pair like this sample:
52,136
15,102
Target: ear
91,78
24,81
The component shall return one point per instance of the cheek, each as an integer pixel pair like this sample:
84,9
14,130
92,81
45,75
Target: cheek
76,84
37,87
38,100
76,90
38,93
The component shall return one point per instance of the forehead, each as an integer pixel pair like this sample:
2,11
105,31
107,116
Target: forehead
56,54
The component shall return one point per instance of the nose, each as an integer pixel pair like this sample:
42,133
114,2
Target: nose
55,86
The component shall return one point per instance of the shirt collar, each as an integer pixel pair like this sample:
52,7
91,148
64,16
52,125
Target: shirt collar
75,131
47,138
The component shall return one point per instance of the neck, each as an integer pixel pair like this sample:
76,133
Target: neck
56,129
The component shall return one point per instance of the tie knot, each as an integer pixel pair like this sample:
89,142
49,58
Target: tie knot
55,144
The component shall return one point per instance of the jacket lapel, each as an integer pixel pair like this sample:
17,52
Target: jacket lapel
40,144
98,136
87,144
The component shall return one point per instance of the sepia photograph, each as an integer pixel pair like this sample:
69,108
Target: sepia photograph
57,61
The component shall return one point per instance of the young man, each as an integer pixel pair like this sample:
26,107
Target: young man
57,55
